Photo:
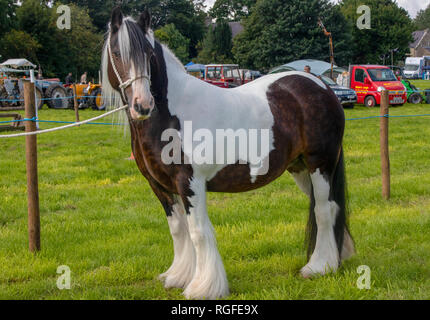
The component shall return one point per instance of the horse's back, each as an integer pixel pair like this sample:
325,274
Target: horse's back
307,119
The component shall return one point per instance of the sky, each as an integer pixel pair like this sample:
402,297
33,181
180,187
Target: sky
412,6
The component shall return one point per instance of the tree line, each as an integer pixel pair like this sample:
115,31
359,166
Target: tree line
275,31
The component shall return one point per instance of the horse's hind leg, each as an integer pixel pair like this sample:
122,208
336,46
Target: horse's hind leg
329,237
182,269
210,279
325,257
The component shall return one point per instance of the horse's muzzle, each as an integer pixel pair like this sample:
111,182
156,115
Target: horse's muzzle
141,113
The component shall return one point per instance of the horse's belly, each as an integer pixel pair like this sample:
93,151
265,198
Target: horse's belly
237,178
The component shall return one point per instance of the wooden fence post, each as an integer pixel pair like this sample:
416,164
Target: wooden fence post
31,163
75,101
385,153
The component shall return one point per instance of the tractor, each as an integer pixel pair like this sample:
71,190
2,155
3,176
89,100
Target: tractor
415,95
88,96
12,93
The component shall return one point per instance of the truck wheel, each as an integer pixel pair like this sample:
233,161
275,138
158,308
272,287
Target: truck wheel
97,102
370,102
415,98
58,95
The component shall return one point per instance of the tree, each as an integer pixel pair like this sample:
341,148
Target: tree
391,28
81,45
277,32
176,42
187,15
35,18
58,52
98,10
422,21
217,45
16,44
232,10
7,16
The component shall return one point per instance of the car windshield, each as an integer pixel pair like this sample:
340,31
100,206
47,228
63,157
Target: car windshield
328,81
411,67
382,75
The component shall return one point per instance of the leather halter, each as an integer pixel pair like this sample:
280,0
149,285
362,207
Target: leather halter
129,82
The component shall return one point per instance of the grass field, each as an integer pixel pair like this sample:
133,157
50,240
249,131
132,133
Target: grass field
100,218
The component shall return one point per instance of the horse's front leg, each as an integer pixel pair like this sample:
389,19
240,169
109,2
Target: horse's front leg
209,280
182,269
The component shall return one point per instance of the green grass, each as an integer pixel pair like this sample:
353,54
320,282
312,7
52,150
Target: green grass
421,84
100,218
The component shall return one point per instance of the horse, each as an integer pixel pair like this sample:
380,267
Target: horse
304,125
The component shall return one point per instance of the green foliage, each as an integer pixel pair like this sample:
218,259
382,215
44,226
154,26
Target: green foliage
187,16
176,42
217,45
277,33
391,28
20,44
7,8
58,52
232,10
422,21
81,45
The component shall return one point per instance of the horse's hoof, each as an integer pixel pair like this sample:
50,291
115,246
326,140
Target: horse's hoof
313,270
194,292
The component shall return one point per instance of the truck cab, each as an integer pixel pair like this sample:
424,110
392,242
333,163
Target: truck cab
224,75
368,81
414,68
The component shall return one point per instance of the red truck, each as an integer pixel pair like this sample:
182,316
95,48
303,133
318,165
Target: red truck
224,75
368,81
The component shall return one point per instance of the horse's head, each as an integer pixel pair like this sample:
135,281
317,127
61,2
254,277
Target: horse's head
127,62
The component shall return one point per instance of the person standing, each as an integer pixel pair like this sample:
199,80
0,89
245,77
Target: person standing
69,78
84,78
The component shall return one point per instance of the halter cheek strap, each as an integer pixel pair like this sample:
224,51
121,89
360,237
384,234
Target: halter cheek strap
129,82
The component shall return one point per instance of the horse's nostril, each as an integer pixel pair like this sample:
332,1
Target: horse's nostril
141,110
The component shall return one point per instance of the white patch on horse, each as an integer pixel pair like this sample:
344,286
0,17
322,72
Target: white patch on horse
182,269
325,257
211,108
210,279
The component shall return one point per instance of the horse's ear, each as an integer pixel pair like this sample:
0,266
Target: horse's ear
116,20
145,21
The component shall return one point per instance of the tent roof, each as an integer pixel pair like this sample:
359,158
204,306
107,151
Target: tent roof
18,63
196,68
317,67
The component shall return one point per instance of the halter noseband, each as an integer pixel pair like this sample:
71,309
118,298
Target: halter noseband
129,82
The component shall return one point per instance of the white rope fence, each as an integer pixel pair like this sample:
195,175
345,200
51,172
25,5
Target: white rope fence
77,124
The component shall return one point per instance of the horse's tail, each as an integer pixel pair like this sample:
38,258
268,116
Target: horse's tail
339,194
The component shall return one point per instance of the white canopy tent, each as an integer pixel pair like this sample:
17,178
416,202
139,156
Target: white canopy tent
18,63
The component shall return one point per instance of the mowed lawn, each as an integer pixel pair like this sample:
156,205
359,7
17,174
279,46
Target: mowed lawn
100,218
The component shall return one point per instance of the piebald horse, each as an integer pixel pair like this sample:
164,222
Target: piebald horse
305,125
